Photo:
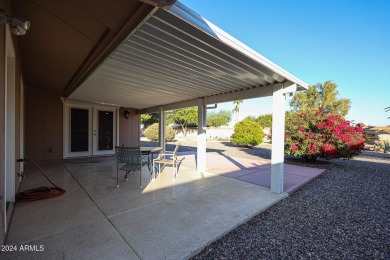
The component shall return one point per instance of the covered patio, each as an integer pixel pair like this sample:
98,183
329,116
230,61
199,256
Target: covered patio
174,59
165,220
102,63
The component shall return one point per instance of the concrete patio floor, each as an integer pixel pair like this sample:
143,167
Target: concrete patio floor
166,219
253,171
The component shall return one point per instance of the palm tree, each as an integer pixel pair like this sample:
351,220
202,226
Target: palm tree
236,109
387,109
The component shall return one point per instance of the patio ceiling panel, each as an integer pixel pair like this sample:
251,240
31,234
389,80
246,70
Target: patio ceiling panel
199,52
189,78
174,56
186,59
186,71
211,46
237,48
143,77
177,62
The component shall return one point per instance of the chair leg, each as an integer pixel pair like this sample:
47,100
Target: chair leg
117,178
150,173
140,177
149,162
154,172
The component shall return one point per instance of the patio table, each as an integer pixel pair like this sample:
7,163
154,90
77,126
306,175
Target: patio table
150,151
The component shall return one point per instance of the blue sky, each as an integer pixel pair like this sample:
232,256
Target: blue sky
347,42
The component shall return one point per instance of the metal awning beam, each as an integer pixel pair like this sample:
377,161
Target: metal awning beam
257,92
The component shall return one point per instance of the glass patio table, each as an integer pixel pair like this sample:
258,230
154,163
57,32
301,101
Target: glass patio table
150,151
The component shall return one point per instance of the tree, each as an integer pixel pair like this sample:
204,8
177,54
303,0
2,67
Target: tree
247,133
265,121
236,109
321,96
184,117
253,118
149,119
217,119
387,109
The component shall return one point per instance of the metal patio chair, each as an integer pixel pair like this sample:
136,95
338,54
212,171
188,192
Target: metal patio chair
167,158
133,161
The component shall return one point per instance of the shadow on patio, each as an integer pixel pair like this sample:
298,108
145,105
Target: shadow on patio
166,219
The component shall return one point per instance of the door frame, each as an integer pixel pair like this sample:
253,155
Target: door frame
95,123
93,109
67,137
9,129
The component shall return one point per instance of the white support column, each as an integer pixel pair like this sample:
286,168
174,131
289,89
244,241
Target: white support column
161,127
278,124
201,141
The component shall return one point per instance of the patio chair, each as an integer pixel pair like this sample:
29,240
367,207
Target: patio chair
133,161
167,158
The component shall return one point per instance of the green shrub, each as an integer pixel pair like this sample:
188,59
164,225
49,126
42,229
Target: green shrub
152,133
247,133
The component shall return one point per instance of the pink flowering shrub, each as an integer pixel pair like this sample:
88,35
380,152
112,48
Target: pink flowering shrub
322,135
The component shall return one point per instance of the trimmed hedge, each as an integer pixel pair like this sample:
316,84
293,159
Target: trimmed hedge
247,133
152,133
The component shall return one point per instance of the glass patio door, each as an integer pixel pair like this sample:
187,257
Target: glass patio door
80,131
91,130
104,131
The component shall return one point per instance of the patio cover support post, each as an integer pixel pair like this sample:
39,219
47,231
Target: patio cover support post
201,140
161,128
278,124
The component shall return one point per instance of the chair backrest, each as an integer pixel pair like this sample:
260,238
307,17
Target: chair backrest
128,154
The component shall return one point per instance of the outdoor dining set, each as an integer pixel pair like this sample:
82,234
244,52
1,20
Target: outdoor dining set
132,159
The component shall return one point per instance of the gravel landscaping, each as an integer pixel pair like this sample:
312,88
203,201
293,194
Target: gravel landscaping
343,214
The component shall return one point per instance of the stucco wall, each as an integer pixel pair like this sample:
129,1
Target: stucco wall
43,125
129,128
10,117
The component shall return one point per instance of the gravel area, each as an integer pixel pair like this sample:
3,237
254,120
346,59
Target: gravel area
343,214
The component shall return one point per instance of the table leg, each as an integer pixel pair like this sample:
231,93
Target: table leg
150,161
154,168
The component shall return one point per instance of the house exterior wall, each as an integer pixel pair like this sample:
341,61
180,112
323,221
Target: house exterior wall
129,128
43,125
11,147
